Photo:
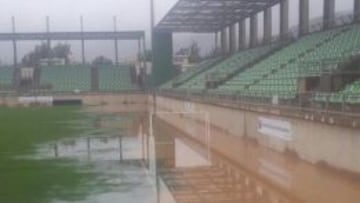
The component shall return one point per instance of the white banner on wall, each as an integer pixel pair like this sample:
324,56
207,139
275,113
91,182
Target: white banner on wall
189,107
276,128
36,100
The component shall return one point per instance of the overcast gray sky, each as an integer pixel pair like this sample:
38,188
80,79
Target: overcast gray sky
98,14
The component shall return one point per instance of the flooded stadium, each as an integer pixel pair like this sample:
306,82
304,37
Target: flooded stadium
137,157
180,101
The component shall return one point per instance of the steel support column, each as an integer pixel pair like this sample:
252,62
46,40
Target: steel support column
357,10
14,41
140,56
82,41
232,38
242,35
268,25
144,53
116,43
48,40
303,16
253,30
329,13
284,18
224,41
216,41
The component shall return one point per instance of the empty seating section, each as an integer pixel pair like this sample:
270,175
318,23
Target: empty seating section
229,66
341,47
6,77
279,73
187,75
115,79
203,66
67,79
350,95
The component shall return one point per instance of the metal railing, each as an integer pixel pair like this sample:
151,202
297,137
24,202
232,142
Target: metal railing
302,102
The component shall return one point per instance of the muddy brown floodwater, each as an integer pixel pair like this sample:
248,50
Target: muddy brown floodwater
155,162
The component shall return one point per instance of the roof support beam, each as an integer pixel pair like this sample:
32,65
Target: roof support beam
357,10
224,41
232,38
329,13
304,16
268,24
284,18
242,35
217,13
254,30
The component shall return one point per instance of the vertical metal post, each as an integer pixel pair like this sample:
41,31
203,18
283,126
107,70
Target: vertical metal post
121,148
304,16
144,53
14,41
232,38
284,18
48,39
88,147
253,30
224,41
152,24
356,10
139,50
329,13
267,25
82,40
116,43
152,14
216,40
242,35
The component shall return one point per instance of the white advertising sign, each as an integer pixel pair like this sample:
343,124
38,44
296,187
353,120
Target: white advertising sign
189,107
37,100
276,128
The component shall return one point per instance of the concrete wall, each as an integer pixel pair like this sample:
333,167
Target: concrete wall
313,142
103,102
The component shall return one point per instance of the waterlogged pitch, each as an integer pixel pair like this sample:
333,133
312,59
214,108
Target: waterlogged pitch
58,155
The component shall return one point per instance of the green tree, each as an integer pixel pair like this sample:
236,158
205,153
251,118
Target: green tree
147,56
62,51
102,60
194,53
43,51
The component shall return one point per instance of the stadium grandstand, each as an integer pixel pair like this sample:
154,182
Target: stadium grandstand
265,116
307,65
51,75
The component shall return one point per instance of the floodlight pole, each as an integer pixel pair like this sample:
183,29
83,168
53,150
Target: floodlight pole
82,40
116,43
48,40
14,41
152,25
152,14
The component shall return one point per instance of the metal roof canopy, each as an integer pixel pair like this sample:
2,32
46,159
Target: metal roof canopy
206,16
126,35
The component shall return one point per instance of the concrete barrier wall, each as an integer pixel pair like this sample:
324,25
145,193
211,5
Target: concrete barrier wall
105,102
313,142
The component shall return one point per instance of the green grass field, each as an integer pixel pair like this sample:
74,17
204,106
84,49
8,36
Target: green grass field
40,180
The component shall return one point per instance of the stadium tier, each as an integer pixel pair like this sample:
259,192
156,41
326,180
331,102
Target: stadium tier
349,95
115,79
81,79
67,79
187,75
279,73
229,67
6,77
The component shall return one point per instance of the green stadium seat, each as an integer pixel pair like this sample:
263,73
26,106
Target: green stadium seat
115,79
67,79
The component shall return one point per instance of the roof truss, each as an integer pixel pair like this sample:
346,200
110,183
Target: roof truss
210,15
